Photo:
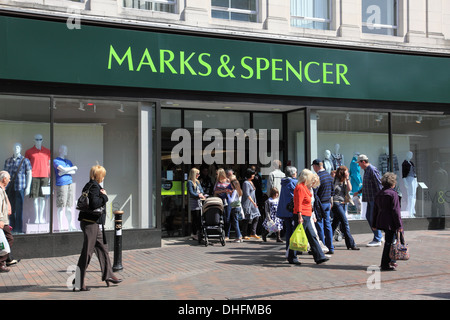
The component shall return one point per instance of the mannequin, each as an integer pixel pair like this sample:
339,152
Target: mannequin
64,169
39,157
327,162
355,174
337,158
410,180
20,187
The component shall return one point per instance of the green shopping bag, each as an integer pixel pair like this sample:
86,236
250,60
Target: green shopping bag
298,240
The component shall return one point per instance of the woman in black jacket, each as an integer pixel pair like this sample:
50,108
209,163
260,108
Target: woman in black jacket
94,240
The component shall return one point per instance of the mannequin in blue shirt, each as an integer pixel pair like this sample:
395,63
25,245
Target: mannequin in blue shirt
64,169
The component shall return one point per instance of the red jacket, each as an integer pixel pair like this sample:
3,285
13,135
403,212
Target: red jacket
302,200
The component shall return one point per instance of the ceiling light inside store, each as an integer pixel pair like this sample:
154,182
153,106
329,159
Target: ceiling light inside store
81,108
227,107
121,108
419,119
347,117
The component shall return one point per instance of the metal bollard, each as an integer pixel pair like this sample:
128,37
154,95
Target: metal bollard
118,241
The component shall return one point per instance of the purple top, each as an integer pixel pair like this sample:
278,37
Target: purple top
387,212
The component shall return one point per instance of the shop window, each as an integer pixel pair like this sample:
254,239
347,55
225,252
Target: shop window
117,135
168,6
239,10
311,14
296,140
338,137
424,165
25,154
380,17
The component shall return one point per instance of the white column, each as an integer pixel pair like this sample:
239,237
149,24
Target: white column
278,16
350,18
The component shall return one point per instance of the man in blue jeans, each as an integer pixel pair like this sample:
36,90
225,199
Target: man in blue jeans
325,193
371,186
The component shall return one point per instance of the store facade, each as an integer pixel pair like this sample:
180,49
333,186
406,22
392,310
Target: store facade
132,99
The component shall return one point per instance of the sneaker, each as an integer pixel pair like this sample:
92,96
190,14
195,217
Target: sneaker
374,244
12,262
239,240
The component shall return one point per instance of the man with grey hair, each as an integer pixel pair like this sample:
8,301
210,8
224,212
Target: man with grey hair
286,195
5,211
274,179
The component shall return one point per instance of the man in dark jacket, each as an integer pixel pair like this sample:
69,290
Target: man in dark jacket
286,195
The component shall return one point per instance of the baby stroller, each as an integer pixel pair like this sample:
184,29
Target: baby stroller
212,225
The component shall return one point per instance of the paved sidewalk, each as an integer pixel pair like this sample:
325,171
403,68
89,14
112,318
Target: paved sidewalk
183,270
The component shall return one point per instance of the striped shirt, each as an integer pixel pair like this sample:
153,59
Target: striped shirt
371,183
12,164
325,191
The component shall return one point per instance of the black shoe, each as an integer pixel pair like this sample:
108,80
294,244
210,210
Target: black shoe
353,248
330,252
294,261
389,268
112,280
322,260
12,262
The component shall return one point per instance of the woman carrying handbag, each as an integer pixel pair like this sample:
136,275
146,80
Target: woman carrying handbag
94,239
387,217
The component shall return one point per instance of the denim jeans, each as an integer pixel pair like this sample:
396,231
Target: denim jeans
369,214
234,222
324,229
340,217
17,210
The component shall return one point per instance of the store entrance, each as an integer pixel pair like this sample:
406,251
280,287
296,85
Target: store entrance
201,138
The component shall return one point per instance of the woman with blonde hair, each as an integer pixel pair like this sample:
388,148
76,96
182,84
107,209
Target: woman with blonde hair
302,214
223,189
195,192
94,239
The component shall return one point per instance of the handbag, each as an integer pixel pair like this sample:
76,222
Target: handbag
83,203
4,245
298,240
399,249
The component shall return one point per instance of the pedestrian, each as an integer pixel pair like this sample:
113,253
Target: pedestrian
222,189
325,193
387,217
286,196
250,206
270,207
302,214
235,200
315,183
274,178
5,212
371,186
195,192
342,187
94,238
206,181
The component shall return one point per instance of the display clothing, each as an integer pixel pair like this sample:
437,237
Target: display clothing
408,169
12,166
355,175
16,191
40,161
64,196
383,163
337,159
66,178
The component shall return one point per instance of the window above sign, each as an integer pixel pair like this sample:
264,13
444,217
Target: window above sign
238,10
380,17
169,6
311,14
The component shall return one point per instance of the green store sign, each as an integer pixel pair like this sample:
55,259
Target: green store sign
46,51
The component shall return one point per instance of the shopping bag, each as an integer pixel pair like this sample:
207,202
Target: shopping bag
271,226
298,240
399,249
4,245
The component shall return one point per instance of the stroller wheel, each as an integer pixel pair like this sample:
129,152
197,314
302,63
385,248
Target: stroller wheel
222,238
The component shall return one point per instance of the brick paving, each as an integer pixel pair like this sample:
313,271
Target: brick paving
183,270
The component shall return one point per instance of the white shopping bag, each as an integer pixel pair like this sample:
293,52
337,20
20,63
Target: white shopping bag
4,245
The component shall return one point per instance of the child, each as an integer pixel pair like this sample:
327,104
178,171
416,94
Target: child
271,216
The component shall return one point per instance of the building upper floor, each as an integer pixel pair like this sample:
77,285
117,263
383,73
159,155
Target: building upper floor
397,25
